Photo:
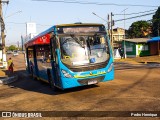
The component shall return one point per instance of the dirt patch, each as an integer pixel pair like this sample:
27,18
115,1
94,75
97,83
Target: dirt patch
2,73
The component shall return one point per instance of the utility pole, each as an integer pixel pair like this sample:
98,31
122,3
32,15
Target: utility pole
108,22
22,41
124,34
2,33
18,44
111,31
112,24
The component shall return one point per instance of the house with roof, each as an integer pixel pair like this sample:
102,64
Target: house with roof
154,44
135,47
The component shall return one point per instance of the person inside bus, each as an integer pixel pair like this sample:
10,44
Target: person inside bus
96,41
48,59
42,59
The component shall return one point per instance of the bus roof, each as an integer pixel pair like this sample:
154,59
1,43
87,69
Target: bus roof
44,37
79,24
40,39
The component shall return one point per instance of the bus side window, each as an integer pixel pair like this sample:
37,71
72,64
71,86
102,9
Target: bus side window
53,47
43,53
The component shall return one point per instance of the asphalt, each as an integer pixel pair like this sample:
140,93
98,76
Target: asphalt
7,78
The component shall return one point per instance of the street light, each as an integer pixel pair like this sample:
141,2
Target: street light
13,14
103,20
124,20
124,33
98,16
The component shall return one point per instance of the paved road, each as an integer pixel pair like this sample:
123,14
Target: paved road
135,88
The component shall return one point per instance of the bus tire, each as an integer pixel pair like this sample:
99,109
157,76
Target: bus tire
51,83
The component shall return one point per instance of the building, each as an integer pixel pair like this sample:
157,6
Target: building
118,34
136,47
154,44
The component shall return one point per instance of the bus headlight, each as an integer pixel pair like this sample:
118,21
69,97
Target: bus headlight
66,74
110,68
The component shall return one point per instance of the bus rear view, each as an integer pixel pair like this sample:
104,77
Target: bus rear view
80,55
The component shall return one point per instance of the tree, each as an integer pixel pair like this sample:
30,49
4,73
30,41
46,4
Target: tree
1,46
12,47
156,23
139,29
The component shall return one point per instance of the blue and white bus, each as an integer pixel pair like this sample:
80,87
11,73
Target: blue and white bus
71,55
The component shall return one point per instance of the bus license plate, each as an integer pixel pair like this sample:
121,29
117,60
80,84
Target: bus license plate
92,82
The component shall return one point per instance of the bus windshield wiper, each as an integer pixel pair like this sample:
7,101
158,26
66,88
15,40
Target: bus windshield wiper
77,41
89,45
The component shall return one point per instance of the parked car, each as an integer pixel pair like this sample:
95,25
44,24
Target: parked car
9,52
15,53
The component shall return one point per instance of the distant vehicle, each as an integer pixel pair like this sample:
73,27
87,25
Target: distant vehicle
23,52
15,53
9,52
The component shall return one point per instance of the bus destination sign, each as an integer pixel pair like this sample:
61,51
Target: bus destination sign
80,29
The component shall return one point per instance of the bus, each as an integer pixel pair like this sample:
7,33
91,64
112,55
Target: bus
71,55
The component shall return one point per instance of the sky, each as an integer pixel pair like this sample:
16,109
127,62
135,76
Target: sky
46,13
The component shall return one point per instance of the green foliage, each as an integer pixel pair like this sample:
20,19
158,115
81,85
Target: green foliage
12,47
156,23
139,29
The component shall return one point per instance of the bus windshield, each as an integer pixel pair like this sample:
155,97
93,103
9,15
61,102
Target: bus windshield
83,49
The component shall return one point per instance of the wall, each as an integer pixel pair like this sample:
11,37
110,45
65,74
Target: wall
136,49
154,48
130,48
143,49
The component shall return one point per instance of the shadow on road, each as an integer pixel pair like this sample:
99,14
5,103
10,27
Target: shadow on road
29,84
129,87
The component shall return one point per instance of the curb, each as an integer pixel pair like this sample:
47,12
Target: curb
149,62
7,80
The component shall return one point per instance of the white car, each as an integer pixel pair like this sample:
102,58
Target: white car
15,54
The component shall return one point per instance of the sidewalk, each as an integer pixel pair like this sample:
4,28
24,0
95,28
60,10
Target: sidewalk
5,78
141,60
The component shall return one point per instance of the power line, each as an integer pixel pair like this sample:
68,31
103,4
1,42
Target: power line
13,14
133,17
125,18
94,3
15,23
137,12
25,23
